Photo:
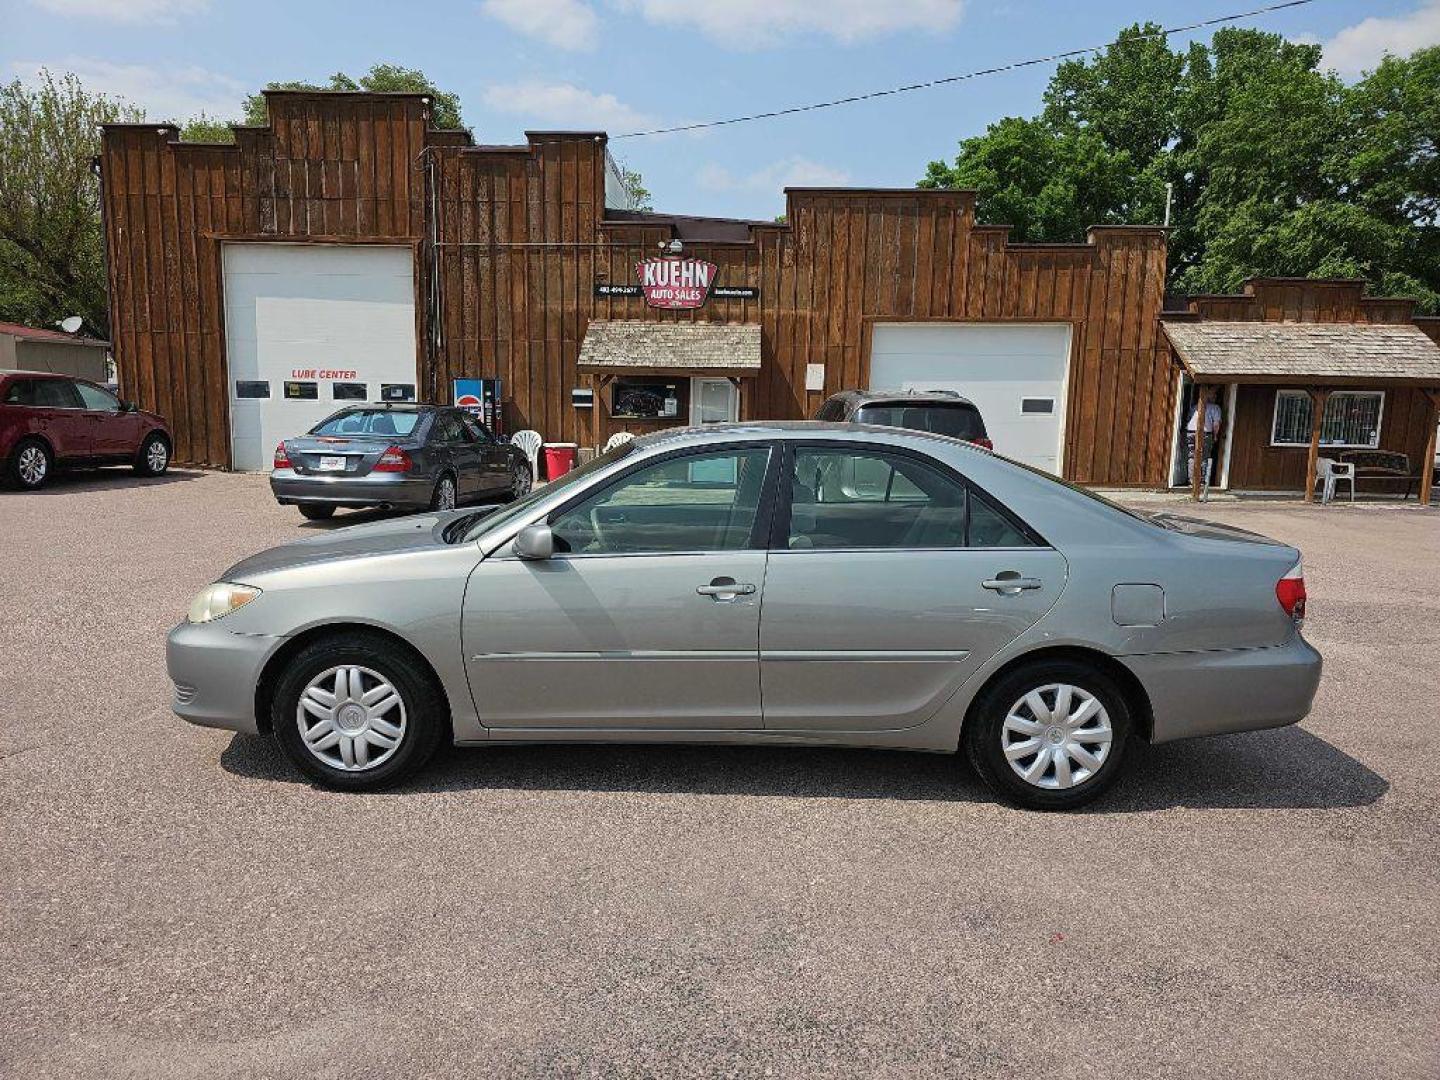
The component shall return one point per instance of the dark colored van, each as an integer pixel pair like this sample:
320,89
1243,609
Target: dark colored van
942,411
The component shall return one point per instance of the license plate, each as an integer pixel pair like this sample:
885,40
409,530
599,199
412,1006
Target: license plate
332,463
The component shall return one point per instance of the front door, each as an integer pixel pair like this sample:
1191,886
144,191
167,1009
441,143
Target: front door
113,434
713,401
648,615
889,590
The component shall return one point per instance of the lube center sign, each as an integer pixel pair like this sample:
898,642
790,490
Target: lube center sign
675,283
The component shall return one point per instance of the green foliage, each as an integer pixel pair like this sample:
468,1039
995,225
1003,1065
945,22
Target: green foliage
380,79
207,129
1278,167
635,190
51,260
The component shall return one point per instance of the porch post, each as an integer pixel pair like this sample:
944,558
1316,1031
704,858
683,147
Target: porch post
1197,466
1427,463
1318,398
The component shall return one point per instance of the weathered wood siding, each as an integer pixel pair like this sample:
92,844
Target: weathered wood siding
522,240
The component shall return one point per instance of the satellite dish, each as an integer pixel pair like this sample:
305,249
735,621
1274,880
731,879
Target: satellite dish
72,324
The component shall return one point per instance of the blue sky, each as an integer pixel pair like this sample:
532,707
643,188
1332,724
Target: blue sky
626,64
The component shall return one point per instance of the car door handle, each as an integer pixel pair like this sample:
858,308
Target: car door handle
725,589
1009,582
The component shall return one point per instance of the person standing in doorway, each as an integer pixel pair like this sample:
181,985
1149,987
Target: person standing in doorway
1206,417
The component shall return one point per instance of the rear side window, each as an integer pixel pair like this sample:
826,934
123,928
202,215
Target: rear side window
958,421
858,499
56,394
447,429
20,392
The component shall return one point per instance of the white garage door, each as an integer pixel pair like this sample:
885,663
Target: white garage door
1015,373
310,328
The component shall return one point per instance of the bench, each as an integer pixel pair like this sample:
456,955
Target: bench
1383,465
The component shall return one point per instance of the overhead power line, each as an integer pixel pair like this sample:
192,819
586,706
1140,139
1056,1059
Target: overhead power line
1012,66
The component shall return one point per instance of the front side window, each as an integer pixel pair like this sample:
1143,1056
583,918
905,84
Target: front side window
848,499
475,430
699,502
378,422
97,400
1351,419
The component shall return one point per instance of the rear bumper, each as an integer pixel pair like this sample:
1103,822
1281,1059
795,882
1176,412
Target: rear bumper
1214,693
215,673
384,489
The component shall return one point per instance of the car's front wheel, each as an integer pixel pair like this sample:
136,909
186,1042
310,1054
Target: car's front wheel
1049,735
30,464
356,712
154,456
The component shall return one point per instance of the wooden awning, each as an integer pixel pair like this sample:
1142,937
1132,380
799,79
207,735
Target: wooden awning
620,346
1305,354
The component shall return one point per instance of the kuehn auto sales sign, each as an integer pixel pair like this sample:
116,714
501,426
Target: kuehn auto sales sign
675,283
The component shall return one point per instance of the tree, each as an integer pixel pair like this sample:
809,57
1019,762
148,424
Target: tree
380,79
636,194
1277,166
51,247
207,129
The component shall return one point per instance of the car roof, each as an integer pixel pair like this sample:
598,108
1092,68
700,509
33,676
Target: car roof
858,398
20,372
748,430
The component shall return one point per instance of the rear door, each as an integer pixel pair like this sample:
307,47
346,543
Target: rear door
647,617
62,417
890,581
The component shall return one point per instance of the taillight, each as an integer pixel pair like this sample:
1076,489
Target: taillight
1290,591
282,459
983,441
393,460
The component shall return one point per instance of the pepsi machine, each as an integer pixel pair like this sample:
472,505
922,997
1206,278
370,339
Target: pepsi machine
482,398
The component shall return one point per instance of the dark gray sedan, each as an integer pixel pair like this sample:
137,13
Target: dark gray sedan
413,457
777,584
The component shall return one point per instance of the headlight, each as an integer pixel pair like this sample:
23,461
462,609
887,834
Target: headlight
219,599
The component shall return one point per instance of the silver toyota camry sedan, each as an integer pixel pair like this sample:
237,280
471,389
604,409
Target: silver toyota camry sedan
787,583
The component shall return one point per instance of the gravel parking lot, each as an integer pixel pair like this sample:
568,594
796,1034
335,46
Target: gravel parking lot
176,902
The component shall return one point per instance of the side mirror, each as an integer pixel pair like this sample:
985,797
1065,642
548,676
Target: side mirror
535,542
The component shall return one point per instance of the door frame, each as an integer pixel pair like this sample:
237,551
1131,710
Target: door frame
696,380
1227,418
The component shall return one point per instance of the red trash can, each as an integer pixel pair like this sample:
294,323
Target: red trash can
560,458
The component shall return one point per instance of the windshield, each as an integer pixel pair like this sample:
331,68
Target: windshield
520,507
381,423
957,421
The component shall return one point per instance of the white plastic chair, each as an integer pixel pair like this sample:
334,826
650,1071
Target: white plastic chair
617,439
530,443
1331,474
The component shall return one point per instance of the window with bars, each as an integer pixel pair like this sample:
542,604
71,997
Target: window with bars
1352,419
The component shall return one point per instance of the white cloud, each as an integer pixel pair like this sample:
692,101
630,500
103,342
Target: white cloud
793,171
1361,47
565,106
759,23
124,11
566,24
168,93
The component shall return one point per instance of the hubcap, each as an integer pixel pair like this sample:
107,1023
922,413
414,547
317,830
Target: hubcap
1057,736
157,456
32,465
351,718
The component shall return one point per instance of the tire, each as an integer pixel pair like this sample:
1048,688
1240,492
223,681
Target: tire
443,497
31,465
420,715
1003,718
520,480
316,511
154,456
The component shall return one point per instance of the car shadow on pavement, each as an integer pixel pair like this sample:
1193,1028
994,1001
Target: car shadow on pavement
67,482
1287,769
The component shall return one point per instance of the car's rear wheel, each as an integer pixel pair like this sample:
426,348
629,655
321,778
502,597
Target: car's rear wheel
154,456
1049,735
519,479
355,712
316,511
30,464
443,497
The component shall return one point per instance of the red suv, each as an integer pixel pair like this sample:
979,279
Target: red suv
48,420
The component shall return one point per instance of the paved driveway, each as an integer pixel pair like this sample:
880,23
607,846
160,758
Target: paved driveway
176,902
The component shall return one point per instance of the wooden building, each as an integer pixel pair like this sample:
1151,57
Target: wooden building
349,250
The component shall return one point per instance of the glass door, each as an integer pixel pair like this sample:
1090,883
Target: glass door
714,401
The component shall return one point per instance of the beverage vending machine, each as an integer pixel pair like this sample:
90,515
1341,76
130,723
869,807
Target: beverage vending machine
482,398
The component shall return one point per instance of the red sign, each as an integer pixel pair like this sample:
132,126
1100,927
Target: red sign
675,283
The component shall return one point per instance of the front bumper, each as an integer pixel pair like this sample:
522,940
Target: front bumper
1215,693
215,673
373,489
